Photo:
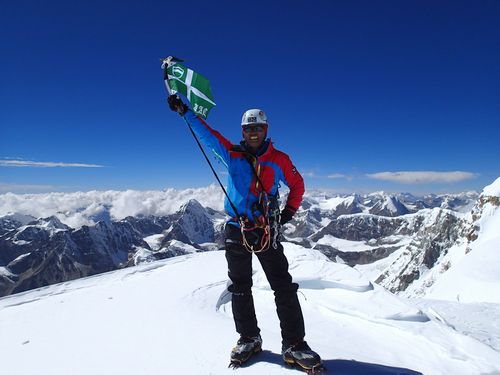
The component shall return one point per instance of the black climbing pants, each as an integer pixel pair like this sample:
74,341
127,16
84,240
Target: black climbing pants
275,266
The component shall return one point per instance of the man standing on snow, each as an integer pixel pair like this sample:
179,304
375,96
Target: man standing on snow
255,170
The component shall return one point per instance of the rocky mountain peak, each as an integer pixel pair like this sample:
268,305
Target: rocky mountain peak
192,225
192,207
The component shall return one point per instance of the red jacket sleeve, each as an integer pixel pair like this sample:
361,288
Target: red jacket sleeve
295,183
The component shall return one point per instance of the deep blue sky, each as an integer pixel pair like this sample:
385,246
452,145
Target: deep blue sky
351,89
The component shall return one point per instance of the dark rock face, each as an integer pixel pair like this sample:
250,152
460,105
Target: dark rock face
149,225
353,258
366,227
430,243
306,223
14,221
43,253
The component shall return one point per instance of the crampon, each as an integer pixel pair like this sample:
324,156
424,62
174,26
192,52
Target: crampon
244,349
303,358
236,363
315,370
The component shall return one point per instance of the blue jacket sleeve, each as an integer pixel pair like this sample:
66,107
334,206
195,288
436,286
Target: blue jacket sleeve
209,137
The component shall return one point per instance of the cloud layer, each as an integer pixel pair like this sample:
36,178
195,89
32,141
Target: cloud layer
422,177
85,208
44,164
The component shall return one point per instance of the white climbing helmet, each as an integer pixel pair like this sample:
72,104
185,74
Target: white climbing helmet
254,117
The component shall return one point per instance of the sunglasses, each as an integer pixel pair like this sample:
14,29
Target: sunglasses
253,129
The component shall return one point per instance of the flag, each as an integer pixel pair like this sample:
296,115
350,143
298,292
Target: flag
193,86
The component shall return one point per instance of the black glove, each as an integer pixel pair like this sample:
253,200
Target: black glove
286,216
177,105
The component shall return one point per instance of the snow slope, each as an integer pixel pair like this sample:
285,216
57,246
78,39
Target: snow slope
174,316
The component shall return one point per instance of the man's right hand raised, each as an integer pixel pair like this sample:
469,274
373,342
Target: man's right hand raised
177,105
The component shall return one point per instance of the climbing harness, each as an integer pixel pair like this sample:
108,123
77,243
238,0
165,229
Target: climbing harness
256,235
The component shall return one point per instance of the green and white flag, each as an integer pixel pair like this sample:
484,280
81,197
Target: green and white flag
193,86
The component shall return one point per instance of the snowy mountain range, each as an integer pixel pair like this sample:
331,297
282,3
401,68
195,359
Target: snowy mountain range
393,238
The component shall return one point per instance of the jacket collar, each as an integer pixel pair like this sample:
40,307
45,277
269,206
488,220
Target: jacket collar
266,147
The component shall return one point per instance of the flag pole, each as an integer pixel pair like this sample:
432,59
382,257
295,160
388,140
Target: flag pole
165,63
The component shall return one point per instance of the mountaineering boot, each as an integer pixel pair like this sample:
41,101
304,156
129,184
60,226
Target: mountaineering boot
244,349
303,357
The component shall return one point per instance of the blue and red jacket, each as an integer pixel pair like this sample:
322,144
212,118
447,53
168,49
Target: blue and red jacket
272,167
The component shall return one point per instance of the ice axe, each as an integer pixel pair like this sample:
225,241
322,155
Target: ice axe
165,63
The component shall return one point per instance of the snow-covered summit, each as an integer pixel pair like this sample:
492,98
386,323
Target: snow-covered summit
492,190
52,224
